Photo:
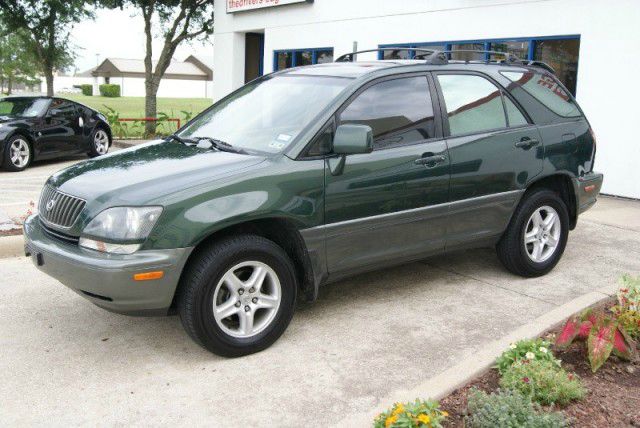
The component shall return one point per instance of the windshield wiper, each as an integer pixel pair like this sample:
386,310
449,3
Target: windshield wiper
223,146
185,141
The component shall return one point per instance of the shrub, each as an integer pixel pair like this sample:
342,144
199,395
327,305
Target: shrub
508,409
536,349
110,90
543,381
87,90
409,415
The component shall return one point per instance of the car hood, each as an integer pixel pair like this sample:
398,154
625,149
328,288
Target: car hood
141,174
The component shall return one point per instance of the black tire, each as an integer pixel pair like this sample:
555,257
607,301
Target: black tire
511,248
93,150
7,163
204,272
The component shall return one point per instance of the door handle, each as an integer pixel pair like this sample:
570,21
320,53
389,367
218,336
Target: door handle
430,161
526,143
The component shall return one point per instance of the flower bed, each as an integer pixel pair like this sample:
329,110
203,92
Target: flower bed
584,373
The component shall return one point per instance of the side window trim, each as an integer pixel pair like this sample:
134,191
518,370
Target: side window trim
503,92
438,130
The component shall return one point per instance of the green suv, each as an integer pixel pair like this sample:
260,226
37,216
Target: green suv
312,174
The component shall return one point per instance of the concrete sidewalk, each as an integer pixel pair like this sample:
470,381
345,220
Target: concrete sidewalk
66,362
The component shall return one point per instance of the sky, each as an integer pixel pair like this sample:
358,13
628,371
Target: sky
120,34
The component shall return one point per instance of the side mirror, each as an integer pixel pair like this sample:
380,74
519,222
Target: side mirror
352,139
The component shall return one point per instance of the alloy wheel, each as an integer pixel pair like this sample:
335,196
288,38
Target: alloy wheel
542,234
246,299
19,153
101,142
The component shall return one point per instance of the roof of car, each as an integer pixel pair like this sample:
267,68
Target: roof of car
357,69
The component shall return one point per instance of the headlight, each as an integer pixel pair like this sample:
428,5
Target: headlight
120,230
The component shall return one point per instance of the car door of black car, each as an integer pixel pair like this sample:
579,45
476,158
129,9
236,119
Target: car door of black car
61,130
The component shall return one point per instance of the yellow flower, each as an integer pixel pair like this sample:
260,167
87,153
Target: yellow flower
390,420
445,414
425,419
399,409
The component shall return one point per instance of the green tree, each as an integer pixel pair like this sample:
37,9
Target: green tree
177,21
43,27
17,65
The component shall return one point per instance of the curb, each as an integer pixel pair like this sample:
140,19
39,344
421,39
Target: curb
459,375
11,246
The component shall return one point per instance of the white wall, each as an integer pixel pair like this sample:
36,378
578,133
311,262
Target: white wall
609,32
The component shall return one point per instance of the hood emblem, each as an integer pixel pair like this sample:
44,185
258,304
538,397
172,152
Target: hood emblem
50,204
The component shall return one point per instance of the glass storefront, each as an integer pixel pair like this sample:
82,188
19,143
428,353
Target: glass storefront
299,57
560,52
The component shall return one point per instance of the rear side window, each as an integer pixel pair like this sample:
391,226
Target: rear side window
515,116
546,89
473,104
399,111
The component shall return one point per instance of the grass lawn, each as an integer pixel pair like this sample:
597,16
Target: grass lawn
133,107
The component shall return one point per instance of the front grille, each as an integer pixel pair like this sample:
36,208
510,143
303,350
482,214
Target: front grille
59,235
59,209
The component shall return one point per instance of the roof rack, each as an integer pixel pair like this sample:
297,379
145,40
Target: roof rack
439,57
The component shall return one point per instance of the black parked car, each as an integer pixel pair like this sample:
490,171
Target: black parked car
35,128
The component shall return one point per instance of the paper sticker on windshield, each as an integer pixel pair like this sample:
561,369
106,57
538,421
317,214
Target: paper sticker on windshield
284,137
276,145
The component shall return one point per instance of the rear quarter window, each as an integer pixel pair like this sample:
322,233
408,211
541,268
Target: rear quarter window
546,89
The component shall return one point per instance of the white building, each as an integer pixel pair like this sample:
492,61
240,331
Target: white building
590,43
191,78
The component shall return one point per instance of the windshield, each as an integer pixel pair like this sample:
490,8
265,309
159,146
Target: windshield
23,107
266,115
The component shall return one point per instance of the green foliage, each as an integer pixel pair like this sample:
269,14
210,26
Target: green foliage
536,349
420,413
627,310
110,90
543,381
87,90
44,29
508,409
17,65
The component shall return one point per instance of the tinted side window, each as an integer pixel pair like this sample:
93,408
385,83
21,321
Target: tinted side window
399,111
515,116
63,108
473,103
546,89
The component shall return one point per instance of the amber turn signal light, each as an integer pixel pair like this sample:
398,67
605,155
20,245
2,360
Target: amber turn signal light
147,276
590,188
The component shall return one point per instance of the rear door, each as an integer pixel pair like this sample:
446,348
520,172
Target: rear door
386,206
495,152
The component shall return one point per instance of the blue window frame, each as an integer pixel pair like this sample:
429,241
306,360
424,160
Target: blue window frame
287,58
563,57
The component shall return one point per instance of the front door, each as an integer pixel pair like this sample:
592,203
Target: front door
61,129
495,153
385,206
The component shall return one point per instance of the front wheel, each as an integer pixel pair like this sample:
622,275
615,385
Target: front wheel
100,143
17,154
537,235
238,295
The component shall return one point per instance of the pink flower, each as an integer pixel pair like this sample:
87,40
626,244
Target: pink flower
525,379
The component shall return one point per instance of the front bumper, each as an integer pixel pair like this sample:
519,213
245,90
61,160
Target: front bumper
107,279
587,189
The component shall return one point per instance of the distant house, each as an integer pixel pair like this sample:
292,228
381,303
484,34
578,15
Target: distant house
191,78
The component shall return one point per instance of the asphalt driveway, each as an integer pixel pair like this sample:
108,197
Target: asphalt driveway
66,362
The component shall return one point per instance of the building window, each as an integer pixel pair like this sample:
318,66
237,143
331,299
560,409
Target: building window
560,52
298,57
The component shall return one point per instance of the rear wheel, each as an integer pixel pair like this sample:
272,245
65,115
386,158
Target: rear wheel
238,295
100,143
17,153
537,235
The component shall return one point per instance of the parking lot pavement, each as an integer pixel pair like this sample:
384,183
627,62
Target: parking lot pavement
66,362
21,188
